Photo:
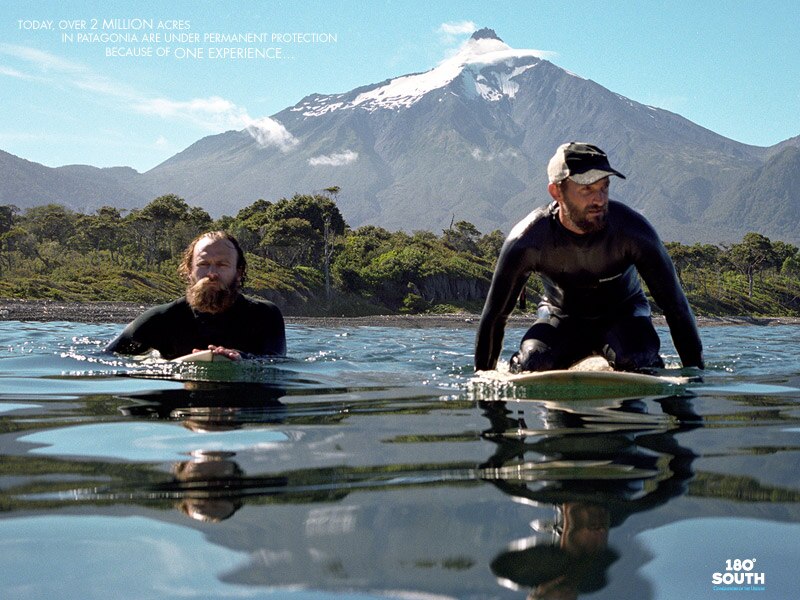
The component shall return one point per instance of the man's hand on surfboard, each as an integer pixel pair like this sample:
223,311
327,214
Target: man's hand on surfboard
229,353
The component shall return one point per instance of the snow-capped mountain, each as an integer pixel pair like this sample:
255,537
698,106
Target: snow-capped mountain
486,65
469,140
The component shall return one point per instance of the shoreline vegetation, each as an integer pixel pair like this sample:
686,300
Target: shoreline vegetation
58,264
124,312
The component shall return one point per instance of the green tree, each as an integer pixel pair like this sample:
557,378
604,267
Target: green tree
791,266
248,226
751,256
314,209
258,207
50,222
490,245
164,227
103,231
8,219
324,217
18,239
462,237
783,252
328,237
8,213
681,257
289,242
357,251
694,257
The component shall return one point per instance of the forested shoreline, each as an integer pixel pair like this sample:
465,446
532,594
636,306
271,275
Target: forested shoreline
303,255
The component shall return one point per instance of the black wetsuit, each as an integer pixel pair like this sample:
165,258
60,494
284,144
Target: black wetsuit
174,329
593,298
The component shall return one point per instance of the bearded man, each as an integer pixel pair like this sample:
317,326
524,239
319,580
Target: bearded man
589,252
213,315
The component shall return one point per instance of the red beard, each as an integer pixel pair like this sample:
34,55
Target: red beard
210,296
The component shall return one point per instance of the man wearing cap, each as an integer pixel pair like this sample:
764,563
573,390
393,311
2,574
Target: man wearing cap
589,252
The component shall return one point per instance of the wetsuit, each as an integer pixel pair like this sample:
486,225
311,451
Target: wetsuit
174,329
593,301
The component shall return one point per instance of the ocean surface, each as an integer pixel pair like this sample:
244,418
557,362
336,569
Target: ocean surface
371,465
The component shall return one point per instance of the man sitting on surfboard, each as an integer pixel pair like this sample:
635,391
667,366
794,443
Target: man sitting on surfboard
213,315
589,252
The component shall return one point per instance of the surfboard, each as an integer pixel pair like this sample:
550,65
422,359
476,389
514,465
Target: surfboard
203,356
592,377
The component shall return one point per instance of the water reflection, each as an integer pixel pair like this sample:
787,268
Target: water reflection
453,482
594,467
593,463
563,569
209,406
211,486
364,477
205,482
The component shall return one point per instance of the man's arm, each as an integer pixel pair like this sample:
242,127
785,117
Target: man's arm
124,343
134,339
272,331
509,278
659,274
277,345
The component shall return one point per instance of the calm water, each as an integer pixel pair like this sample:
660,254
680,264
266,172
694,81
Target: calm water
371,467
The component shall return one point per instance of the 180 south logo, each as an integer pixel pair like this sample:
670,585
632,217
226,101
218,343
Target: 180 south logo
740,574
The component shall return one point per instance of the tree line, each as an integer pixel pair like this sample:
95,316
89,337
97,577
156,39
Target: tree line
302,253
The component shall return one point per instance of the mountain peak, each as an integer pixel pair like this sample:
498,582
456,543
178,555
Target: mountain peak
485,34
484,49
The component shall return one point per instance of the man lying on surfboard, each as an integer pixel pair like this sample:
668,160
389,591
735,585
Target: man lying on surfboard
589,252
213,315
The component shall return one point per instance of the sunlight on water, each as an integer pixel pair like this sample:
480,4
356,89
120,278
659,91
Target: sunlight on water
167,559
150,442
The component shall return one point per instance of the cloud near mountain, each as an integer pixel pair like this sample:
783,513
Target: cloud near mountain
334,160
268,132
219,114
468,140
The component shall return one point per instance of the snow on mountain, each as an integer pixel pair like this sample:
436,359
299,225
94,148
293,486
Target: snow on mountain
473,146
483,49
467,139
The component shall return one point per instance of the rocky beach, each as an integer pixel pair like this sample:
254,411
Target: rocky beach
123,312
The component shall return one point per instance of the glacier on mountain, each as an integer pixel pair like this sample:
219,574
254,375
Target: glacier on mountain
486,64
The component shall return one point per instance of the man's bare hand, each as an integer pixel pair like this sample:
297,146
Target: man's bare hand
229,353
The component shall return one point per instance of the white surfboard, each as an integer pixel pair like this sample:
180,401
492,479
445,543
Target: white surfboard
203,356
591,377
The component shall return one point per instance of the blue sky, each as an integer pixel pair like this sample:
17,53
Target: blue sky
731,66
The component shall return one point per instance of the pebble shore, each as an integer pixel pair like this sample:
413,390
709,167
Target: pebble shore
124,312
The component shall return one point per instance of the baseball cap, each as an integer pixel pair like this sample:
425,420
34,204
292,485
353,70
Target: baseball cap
581,162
